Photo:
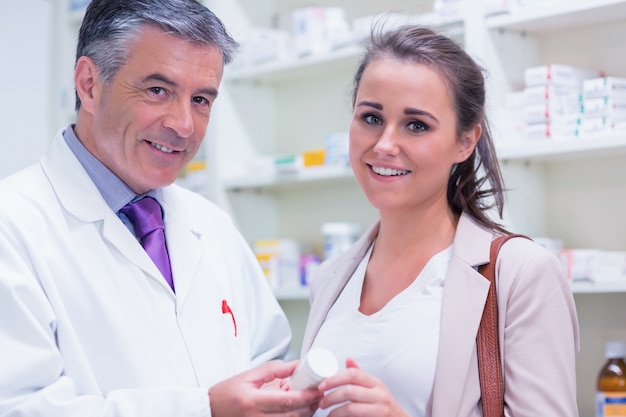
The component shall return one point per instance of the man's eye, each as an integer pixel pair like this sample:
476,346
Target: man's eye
157,90
200,100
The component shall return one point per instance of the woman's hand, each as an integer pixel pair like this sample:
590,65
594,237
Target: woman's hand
358,394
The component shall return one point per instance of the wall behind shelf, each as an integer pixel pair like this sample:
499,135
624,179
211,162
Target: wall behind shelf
308,110
586,202
25,69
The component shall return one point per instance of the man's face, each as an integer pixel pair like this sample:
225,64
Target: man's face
148,122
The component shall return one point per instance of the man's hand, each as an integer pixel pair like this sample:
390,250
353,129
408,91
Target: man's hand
257,392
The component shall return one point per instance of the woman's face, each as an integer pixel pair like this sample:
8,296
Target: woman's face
403,140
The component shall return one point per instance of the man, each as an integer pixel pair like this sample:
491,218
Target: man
100,315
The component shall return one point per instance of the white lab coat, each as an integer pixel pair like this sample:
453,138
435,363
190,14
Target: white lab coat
89,327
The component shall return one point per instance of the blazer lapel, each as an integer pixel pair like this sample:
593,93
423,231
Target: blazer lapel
333,275
464,298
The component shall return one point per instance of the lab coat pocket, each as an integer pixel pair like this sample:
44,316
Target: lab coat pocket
233,322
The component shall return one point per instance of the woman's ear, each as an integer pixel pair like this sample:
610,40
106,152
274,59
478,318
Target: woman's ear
468,142
86,81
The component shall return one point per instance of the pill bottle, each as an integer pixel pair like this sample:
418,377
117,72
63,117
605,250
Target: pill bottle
611,386
338,237
317,365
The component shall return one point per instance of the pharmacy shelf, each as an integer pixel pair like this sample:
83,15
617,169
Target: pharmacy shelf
275,71
281,180
292,294
599,287
591,145
577,288
559,16
341,59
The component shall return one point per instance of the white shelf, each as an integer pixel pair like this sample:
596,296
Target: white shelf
273,71
555,17
344,58
598,287
577,288
292,295
560,148
305,175
538,150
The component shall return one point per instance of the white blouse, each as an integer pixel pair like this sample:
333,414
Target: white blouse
397,344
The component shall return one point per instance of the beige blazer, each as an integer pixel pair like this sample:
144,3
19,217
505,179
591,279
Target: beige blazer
538,325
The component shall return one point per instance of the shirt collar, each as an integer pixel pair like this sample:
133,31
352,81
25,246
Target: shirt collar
114,191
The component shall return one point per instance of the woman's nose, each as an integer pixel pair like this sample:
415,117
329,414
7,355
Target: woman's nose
387,142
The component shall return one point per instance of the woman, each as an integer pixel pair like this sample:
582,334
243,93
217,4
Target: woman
403,305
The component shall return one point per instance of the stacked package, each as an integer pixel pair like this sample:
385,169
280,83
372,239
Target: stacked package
553,100
604,105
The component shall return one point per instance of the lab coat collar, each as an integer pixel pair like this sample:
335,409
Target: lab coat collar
80,197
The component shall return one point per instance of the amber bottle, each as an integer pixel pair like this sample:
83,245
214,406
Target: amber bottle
611,387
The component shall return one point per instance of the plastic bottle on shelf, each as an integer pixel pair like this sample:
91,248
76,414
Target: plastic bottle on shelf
338,237
317,365
611,386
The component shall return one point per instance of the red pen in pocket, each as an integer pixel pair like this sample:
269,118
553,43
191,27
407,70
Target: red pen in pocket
227,310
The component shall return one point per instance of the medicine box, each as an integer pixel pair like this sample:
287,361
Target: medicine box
548,92
594,265
561,75
596,124
604,87
552,110
614,108
548,130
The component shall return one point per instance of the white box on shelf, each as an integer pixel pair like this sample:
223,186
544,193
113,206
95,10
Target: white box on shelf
565,111
604,87
594,265
612,108
559,75
337,148
547,92
319,30
549,130
599,124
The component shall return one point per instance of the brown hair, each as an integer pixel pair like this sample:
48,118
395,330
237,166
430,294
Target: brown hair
475,185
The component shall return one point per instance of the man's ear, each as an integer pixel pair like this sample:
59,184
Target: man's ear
468,142
87,83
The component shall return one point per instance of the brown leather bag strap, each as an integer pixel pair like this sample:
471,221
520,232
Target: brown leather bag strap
487,339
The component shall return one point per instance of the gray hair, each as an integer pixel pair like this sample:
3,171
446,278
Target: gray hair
109,26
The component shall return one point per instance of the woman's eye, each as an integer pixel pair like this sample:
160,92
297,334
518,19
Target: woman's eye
372,119
417,126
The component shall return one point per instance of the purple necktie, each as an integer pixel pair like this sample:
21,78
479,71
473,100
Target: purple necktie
147,218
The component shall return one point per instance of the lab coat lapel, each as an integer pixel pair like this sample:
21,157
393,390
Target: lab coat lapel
184,244
80,198
120,237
